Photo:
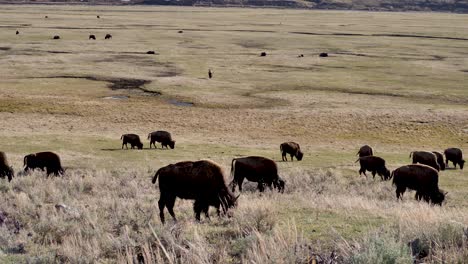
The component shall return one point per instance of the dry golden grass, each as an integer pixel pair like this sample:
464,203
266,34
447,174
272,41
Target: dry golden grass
387,85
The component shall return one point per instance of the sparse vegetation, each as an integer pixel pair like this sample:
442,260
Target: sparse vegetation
393,92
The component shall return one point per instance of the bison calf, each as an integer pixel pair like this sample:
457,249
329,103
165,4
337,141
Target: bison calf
43,160
256,169
374,164
454,155
291,148
202,181
163,137
133,139
365,150
426,158
421,178
5,169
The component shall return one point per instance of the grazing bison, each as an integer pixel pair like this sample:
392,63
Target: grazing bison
374,164
256,169
92,37
5,169
150,52
133,139
426,158
17,32
98,16
108,36
323,55
180,31
202,181
291,148
48,160
56,37
365,150
163,137
210,74
440,159
454,155
421,178
263,54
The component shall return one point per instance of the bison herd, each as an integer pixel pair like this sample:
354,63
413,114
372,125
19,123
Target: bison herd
203,181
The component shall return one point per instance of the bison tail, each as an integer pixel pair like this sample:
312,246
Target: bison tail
411,153
358,159
121,137
149,135
156,176
281,148
25,161
391,176
232,167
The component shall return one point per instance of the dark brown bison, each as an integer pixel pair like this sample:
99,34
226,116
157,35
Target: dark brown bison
92,37
108,36
263,54
440,159
5,169
421,178
17,32
256,169
323,54
43,160
426,158
365,150
374,164
454,155
150,52
98,17
291,148
210,74
56,37
202,181
163,137
133,139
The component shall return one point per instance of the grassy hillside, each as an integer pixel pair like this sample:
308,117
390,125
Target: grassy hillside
395,81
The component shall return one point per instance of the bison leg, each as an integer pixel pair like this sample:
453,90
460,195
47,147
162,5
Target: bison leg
454,164
161,204
373,174
170,201
400,192
283,156
197,208
362,171
292,157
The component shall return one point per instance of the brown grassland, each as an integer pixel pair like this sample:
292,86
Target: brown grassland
395,81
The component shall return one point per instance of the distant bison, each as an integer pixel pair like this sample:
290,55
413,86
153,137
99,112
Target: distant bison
92,37
5,169
98,16
374,164
17,32
150,52
56,37
440,159
291,148
256,169
133,139
421,178
263,54
43,160
454,155
163,137
108,36
202,181
323,54
365,150
426,158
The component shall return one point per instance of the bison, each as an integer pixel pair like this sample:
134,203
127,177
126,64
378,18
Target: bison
133,139
17,32
48,160
291,148
454,155
263,54
365,150
426,158
5,169
210,74
56,37
108,36
374,164
150,52
163,137
421,178
323,54
440,159
202,181
92,37
256,169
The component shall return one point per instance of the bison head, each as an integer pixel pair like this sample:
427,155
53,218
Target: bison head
299,155
438,197
140,145
462,162
279,184
172,144
386,174
10,173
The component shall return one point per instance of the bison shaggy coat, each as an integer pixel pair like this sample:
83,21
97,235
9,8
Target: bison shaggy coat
421,178
454,155
291,148
43,160
426,158
256,169
374,164
163,137
5,169
202,181
133,139
365,150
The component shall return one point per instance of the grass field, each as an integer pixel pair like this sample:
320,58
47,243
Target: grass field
395,81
